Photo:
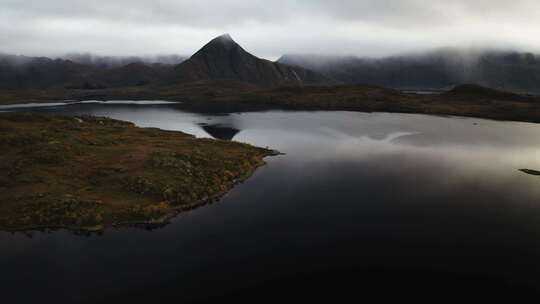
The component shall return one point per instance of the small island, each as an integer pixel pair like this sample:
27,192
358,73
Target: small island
88,173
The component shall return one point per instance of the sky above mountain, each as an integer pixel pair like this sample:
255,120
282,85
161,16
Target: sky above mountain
266,28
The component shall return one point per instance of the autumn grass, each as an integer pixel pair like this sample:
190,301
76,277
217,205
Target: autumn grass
90,173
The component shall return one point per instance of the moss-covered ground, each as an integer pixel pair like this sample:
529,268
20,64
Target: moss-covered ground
90,173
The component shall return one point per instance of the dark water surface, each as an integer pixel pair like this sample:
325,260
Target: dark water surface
361,204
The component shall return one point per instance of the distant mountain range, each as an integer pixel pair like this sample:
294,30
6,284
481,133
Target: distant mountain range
21,72
222,59
440,69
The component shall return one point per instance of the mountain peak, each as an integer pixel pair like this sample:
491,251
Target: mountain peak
219,46
225,37
224,59
223,40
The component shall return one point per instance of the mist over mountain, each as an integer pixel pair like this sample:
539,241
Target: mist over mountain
439,69
18,72
21,72
224,59
118,61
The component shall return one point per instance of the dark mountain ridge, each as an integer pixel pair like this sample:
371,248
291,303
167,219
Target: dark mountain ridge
107,62
133,74
439,69
224,59
21,72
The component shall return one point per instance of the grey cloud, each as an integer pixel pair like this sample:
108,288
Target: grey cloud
361,27
209,13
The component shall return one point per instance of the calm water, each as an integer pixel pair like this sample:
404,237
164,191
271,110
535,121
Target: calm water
361,204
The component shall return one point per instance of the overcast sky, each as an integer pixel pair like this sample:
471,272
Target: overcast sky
267,28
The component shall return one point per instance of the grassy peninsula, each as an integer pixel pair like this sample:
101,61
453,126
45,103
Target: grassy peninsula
88,173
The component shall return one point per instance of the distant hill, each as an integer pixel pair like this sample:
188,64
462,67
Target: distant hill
440,69
473,91
223,59
21,72
133,74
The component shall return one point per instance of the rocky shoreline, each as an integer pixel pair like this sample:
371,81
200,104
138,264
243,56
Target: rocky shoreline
147,225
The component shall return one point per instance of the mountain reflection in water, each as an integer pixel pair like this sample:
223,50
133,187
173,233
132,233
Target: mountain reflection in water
219,132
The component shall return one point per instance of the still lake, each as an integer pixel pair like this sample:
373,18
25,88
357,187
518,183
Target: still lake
362,203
